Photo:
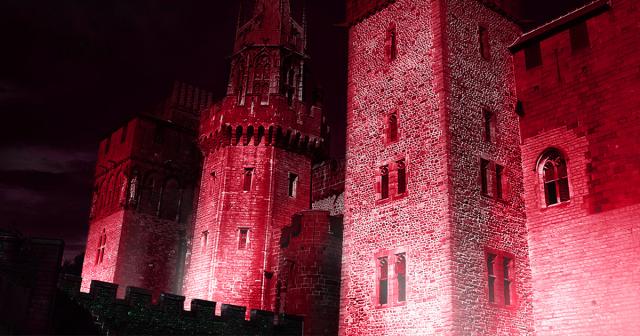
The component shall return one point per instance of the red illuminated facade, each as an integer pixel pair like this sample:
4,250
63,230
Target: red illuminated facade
486,188
434,209
578,78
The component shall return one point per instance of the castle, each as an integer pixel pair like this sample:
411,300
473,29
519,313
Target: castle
487,187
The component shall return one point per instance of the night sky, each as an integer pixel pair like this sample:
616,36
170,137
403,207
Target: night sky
72,71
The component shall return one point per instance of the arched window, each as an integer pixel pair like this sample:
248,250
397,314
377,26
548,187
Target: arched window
553,170
170,202
261,79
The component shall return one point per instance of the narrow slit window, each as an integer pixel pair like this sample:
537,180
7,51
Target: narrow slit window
401,277
293,184
533,55
247,179
579,36
102,244
507,265
392,127
488,125
384,182
391,44
243,238
484,176
383,280
402,177
491,258
499,181
483,37
204,241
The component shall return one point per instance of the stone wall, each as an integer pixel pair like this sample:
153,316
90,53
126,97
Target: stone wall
584,103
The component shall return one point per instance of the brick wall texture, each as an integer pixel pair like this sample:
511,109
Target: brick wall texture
584,252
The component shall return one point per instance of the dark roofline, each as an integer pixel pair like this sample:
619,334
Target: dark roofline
492,6
551,28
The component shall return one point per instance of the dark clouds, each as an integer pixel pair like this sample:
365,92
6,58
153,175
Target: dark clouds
71,71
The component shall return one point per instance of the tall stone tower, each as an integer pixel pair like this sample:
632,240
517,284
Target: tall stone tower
146,176
434,224
258,144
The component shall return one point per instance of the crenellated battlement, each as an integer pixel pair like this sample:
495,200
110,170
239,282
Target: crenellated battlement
257,135
138,314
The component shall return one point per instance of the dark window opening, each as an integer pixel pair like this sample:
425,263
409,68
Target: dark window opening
533,55
402,177
243,238
102,244
392,128
107,145
293,184
489,125
391,44
506,262
383,280
484,176
491,258
204,240
485,48
248,176
579,36
401,275
499,181
384,182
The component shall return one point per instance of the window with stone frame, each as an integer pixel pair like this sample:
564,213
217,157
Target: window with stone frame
501,278
401,277
391,44
243,238
247,179
391,278
384,182
293,185
499,181
488,126
401,175
485,173
555,180
392,127
383,280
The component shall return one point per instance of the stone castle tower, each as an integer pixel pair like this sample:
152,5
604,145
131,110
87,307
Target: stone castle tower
258,144
146,175
436,196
